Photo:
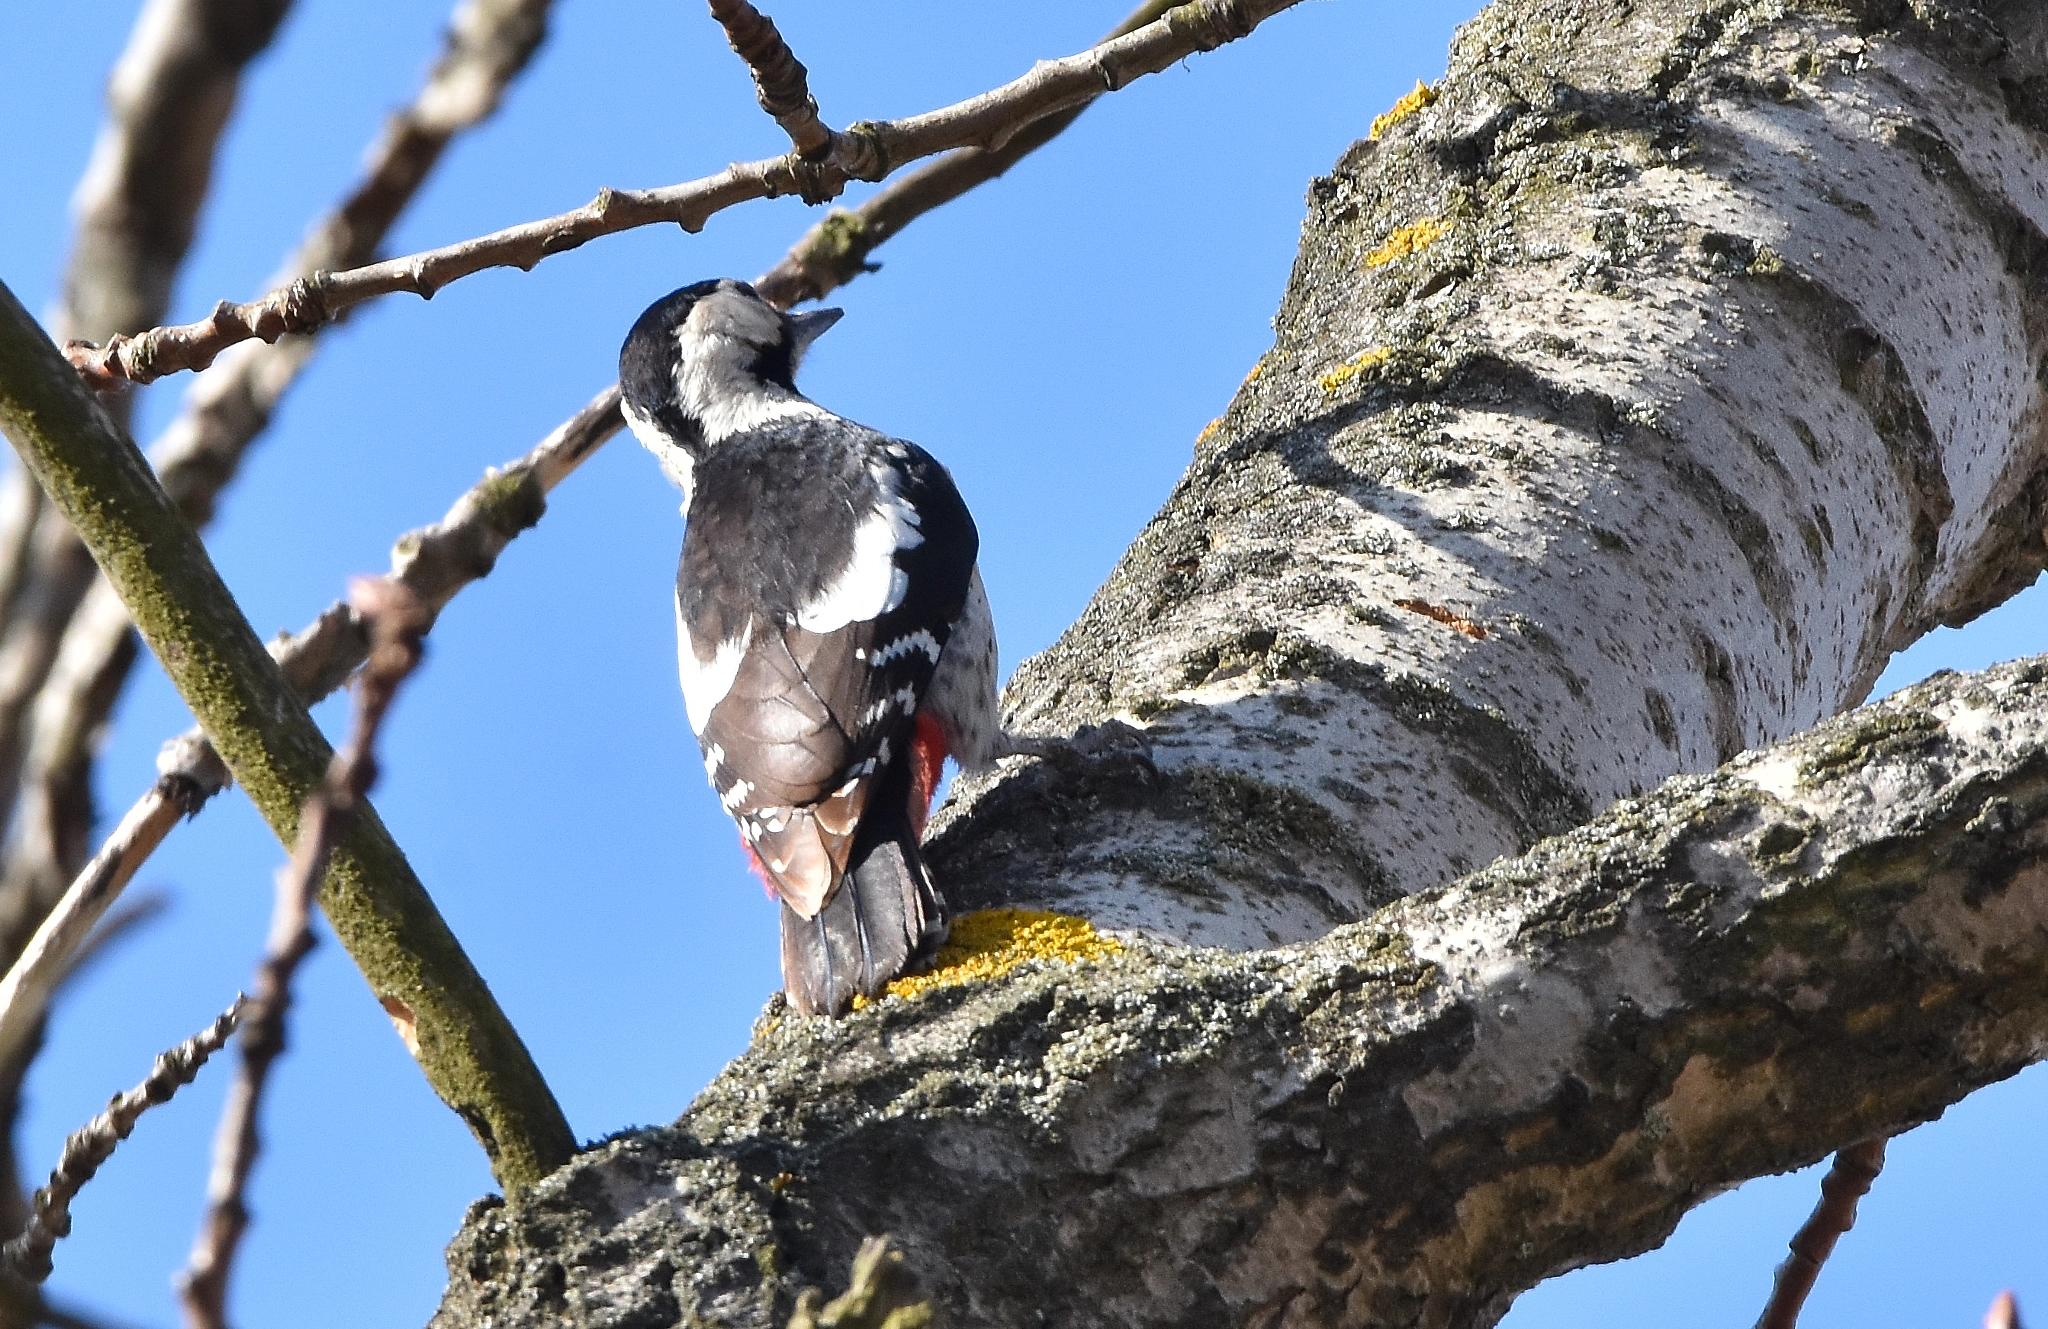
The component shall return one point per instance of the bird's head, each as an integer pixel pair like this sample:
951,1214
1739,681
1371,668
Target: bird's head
710,360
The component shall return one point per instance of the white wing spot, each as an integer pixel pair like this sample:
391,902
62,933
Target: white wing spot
736,795
905,697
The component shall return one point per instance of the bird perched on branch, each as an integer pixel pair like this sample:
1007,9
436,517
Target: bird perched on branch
834,637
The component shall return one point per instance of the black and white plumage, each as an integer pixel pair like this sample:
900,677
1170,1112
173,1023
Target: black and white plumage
834,640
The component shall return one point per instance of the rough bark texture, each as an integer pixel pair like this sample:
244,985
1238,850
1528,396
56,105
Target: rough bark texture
1405,1122
1718,386
1629,406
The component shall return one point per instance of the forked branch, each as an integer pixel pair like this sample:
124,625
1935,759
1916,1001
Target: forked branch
870,150
835,250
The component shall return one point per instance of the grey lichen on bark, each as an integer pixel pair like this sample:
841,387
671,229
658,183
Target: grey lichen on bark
97,479
1629,406
1406,1121
1686,351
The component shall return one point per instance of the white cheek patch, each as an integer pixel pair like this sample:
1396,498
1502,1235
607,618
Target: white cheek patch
715,387
705,685
870,583
675,461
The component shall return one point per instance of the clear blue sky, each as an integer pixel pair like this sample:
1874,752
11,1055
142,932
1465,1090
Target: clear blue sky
1058,339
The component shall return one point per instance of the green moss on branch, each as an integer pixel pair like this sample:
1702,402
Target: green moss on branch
471,1054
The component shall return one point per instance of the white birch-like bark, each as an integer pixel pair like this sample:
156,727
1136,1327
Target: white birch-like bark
1703,402
1628,407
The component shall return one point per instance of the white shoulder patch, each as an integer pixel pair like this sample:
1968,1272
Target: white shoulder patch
870,584
705,685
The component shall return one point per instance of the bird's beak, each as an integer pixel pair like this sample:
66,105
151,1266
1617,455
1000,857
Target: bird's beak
809,324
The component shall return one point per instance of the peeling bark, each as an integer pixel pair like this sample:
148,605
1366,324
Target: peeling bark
1629,406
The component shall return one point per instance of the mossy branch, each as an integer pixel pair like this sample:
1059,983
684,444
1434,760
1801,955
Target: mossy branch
381,913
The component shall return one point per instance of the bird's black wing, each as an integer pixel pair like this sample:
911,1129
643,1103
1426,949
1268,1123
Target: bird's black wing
836,649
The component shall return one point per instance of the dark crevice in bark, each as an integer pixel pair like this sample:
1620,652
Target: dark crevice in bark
1384,1127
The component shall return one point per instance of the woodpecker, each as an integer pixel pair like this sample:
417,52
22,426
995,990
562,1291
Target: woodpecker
834,639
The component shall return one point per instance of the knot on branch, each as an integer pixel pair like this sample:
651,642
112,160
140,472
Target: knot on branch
1215,22
189,772
300,307
859,151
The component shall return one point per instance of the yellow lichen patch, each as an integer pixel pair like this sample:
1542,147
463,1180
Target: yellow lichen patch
989,944
1207,430
1401,110
1355,366
1408,240
1258,368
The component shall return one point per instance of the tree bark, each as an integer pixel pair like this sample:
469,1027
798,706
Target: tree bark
1629,406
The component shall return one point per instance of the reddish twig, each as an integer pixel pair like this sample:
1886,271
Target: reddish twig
781,83
28,1255
397,621
1848,1181
870,150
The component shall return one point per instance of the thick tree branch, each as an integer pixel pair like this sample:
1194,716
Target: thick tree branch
27,1256
869,150
835,250
1616,423
397,623
1405,1122
467,1048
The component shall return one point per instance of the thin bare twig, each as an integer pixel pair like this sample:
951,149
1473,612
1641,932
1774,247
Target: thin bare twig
397,623
781,83
870,150
168,101
28,1255
1848,1181
439,560
835,250
73,658
432,563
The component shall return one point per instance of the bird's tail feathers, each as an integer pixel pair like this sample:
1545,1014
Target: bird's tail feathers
885,917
